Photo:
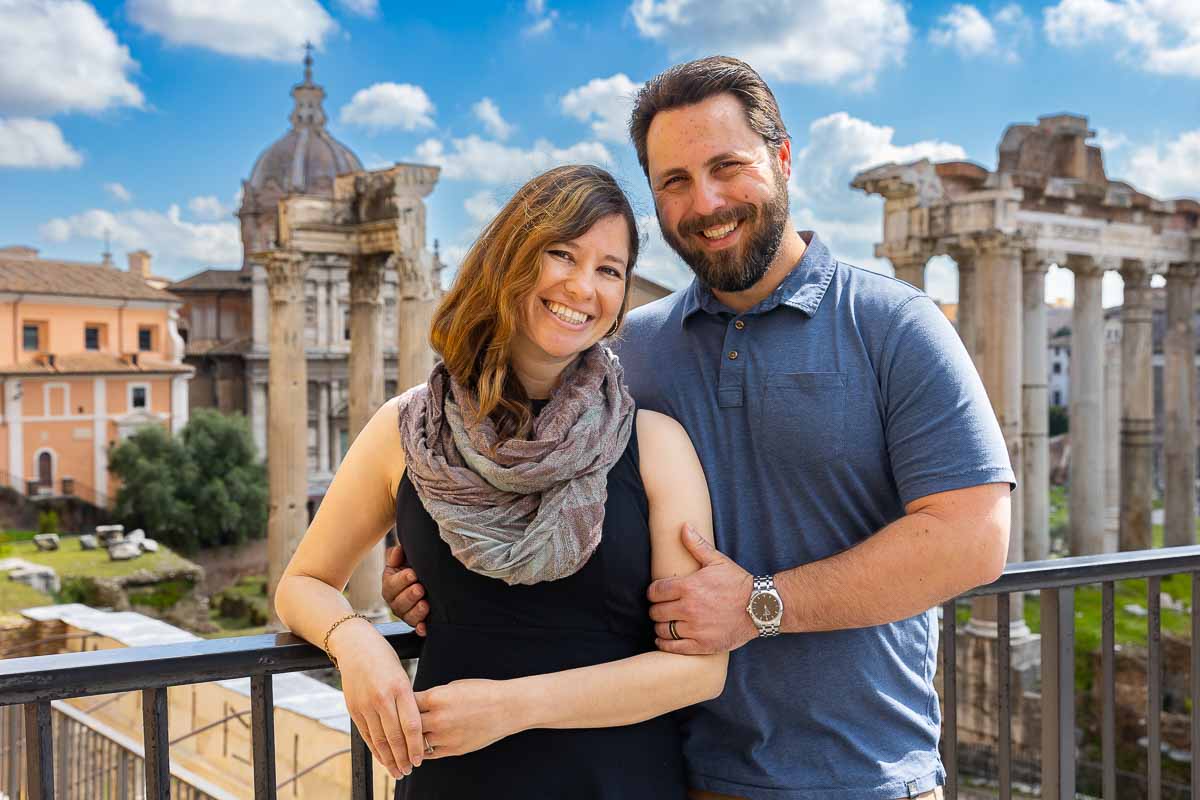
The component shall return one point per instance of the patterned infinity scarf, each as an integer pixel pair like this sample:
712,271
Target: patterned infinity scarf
534,512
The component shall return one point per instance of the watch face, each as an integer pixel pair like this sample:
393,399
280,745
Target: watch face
765,607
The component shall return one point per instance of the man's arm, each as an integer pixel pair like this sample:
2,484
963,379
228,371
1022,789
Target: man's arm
947,543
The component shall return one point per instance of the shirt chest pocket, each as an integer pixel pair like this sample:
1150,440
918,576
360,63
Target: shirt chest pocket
804,416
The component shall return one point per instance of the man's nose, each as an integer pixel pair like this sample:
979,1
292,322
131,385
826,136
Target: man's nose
706,198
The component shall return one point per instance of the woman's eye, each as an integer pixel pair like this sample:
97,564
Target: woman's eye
560,254
616,273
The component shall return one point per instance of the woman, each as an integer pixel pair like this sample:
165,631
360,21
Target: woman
537,506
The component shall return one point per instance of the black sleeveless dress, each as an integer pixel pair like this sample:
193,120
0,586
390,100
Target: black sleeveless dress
479,627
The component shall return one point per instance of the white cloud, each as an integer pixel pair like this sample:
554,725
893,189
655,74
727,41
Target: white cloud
795,41
35,144
543,17
118,191
487,112
361,8
276,31
473,158
606,103
61,56
1110,140
1170,169
481,206
208,207
1158,36
656,260
177,245
965,29
839,146
386,106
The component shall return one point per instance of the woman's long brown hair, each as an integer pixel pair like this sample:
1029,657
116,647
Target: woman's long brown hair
474,325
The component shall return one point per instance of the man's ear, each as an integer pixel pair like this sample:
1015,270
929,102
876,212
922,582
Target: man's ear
785,158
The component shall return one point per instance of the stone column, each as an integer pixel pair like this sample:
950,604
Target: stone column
322,313
1137,408
1086,501
366,396
968,294
1112,440
324,466
1179,435
287,439
911,270
417,298
1035,423
998,265
258,416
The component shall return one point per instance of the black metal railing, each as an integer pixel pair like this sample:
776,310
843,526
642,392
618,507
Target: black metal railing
37,682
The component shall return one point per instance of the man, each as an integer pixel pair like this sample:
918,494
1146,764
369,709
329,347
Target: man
857,471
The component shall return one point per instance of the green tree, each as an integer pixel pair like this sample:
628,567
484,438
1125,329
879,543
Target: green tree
200,489
1059,420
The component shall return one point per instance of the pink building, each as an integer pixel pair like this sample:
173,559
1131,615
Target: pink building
88,354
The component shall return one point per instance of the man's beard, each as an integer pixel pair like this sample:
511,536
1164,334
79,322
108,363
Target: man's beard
735,269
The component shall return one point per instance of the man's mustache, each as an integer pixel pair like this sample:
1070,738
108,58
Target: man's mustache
722,217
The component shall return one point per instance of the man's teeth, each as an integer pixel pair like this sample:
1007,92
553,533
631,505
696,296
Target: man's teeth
719,231
567,314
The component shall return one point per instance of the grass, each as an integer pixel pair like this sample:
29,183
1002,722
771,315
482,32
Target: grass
69,560
15,595
241,609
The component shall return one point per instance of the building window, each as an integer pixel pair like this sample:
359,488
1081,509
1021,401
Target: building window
31,333
1058,368
93,337
137,397
145,338
1057,398
389,388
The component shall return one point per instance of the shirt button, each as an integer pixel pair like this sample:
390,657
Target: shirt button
732,355
739,325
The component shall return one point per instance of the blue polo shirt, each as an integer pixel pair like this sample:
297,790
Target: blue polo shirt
818,415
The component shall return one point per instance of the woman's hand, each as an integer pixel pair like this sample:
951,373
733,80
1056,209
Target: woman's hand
379,696
466,715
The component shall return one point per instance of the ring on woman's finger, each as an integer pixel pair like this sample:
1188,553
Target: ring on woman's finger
428,747
674,633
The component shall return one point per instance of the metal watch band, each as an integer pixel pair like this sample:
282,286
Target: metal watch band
765,583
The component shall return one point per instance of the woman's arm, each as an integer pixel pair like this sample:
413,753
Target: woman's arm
356,512
466,715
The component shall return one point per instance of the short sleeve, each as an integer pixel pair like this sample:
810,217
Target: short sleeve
941,431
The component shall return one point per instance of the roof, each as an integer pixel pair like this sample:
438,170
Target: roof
45,276
213,280
92,363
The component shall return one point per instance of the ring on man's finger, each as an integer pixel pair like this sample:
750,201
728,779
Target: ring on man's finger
674,633
428,747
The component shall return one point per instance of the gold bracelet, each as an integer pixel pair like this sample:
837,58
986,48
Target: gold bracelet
325,644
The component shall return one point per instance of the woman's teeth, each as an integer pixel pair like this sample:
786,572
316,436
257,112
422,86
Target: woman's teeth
567,314
720,230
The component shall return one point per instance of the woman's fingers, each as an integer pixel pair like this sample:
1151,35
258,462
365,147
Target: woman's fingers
394,743
364,733
379,745
405,706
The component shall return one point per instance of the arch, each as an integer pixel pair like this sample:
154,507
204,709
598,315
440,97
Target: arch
45,466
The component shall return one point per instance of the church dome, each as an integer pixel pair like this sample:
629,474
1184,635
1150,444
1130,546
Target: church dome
307,158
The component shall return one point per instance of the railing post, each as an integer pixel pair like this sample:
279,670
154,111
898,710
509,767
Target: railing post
950,695
39,750
1058,694
157,769
262,717
360,767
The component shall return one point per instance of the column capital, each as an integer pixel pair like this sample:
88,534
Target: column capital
1084,265
1038,261
995,242
415,281
1134,273
366,278
1182,272
285,274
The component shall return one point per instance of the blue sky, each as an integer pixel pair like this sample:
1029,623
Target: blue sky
142,117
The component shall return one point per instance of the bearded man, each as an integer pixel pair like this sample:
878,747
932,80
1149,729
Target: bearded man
857,472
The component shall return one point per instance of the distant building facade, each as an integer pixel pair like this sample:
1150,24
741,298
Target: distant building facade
89,353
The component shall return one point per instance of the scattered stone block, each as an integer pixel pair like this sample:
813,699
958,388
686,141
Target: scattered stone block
136,535
149,546
36,576
108,534
46,541
123,551
88,542
1135,610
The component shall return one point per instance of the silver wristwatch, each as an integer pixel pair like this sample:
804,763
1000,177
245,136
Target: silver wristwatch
765,606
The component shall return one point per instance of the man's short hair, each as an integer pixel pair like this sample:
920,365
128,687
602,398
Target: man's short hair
695,82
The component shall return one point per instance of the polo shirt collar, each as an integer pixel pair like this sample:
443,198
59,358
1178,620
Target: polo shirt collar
802,289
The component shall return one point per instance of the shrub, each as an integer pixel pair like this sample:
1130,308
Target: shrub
48,521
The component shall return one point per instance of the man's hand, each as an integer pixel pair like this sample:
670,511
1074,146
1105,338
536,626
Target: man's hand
401,591
708,606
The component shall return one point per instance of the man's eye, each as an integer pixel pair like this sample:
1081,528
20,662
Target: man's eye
673,180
